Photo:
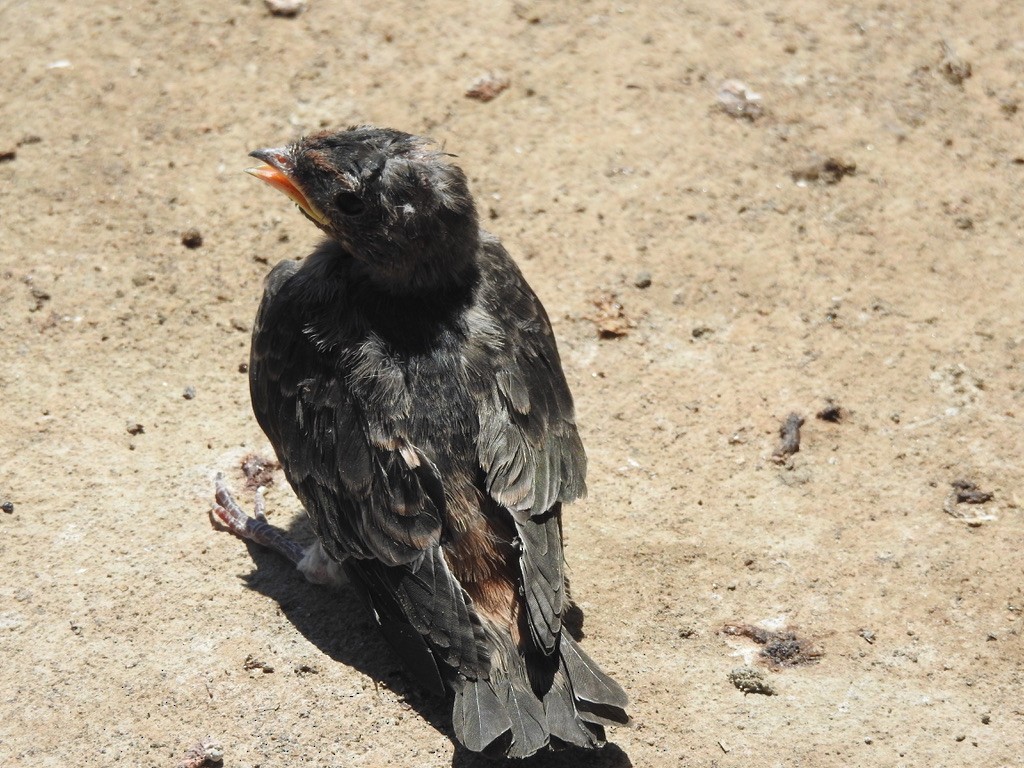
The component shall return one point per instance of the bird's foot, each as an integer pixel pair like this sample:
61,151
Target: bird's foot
256,528
312,561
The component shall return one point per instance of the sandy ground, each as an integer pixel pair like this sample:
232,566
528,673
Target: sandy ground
859,245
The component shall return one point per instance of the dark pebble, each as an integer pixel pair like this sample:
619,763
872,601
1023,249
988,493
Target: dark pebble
191,238
643,280
189,393
832,413
8,507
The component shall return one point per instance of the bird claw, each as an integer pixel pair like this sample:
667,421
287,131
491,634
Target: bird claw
260,507
256,528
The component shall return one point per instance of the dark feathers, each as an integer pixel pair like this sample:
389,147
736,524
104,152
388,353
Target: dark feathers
409,381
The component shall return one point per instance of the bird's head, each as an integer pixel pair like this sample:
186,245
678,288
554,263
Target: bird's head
394,202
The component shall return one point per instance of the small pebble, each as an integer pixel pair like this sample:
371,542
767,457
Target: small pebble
243,367
737,100
488,86
961,737
285,8
191,238
207,752
750,680
986,719
643,280
8,507
189,393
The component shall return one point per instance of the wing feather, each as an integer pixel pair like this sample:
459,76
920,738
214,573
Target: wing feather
332,399
529,448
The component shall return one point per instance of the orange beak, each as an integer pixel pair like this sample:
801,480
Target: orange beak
277,173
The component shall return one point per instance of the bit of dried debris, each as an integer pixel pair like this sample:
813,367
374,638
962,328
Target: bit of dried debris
251,663
136,429
41,297
827,170
790,434
259,471
952,67
966,492
611,319
781,649
737,100
203,753
488,86
750,680
868,635
833,412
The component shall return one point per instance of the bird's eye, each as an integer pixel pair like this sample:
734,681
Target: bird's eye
349,203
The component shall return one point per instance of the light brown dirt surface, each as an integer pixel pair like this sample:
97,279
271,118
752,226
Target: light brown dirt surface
859,243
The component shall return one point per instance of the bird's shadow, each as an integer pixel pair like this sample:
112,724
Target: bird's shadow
338,623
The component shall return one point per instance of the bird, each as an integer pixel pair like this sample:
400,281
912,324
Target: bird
409,381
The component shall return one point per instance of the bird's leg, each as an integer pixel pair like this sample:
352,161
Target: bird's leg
312,561
256,528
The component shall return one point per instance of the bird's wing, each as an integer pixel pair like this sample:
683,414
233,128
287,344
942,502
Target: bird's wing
370,494
373,498
528,448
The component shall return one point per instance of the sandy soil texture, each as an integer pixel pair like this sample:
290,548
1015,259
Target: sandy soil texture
844,241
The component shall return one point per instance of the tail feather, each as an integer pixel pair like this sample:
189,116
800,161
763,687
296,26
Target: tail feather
565,721
591,687
599,715
485,709
478,716
529,725
579,701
